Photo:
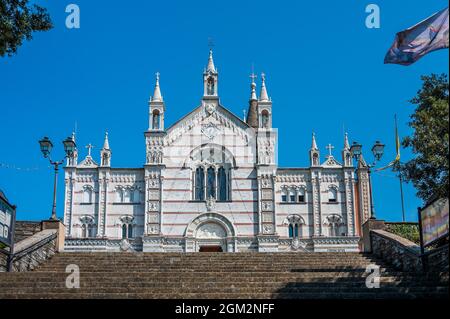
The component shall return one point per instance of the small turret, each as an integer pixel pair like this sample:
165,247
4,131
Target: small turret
346,154
156,108
314,152
105,153
252,117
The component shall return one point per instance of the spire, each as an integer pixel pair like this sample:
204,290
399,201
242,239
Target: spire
211,68
106,142
346,143
252,117
263,97
105,153
157,97
253,86
314,144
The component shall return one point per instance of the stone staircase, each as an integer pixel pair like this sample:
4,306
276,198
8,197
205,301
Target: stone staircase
220,275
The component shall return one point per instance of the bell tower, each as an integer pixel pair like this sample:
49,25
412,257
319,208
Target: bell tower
314,153
210,79
156,109
264,106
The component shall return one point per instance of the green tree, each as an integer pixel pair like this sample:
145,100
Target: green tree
18,19
428,171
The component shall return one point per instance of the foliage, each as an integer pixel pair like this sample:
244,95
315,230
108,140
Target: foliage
18,20
408,231
428,171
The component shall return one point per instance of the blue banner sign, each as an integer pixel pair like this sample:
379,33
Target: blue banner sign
7,219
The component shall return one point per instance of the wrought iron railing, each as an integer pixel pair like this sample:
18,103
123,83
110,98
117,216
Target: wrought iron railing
28,251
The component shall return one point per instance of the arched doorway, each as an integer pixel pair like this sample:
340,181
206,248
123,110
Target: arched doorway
210,237
210,232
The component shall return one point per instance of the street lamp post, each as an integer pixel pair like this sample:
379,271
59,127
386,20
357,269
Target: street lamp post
377,151
46,147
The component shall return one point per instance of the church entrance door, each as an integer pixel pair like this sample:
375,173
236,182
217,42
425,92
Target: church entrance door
211,249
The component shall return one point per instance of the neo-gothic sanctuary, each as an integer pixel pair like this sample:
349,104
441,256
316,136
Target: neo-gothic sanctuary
210,182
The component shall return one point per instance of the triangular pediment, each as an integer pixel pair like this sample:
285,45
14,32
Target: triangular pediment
210,117
88,162
331,162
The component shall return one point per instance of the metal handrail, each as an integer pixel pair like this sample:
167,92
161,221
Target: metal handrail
33,248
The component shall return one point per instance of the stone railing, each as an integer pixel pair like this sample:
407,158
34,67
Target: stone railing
25,229
36,249
400,252
33,251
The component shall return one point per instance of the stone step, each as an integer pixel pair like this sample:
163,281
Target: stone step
197,283
211,288
213,274
213,269
222,295
219,275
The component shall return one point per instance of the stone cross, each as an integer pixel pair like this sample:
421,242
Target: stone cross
330,148
253,76
89,147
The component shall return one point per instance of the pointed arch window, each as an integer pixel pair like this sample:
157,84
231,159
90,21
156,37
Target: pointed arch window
88,227
124,231
211,183
295,226
293,230
127,227
199,184
335,225
222,184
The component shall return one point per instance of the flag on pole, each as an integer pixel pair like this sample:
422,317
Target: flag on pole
413,43
397,150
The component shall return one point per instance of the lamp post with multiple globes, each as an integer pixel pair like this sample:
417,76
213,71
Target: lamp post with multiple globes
377,151
46,148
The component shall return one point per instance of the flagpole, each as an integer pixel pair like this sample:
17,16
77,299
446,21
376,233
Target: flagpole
401,195
399,172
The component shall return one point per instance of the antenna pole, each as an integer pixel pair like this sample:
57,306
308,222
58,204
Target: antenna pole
400,173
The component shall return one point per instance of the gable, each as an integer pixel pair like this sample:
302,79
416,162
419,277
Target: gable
208,118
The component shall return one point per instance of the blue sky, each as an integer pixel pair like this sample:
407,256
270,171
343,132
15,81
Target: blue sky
324,71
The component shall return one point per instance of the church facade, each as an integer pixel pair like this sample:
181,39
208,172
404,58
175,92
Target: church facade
210,182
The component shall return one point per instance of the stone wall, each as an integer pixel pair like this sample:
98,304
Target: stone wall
401,252
3,260
398,251
34,255
32,251
25,229
437,259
